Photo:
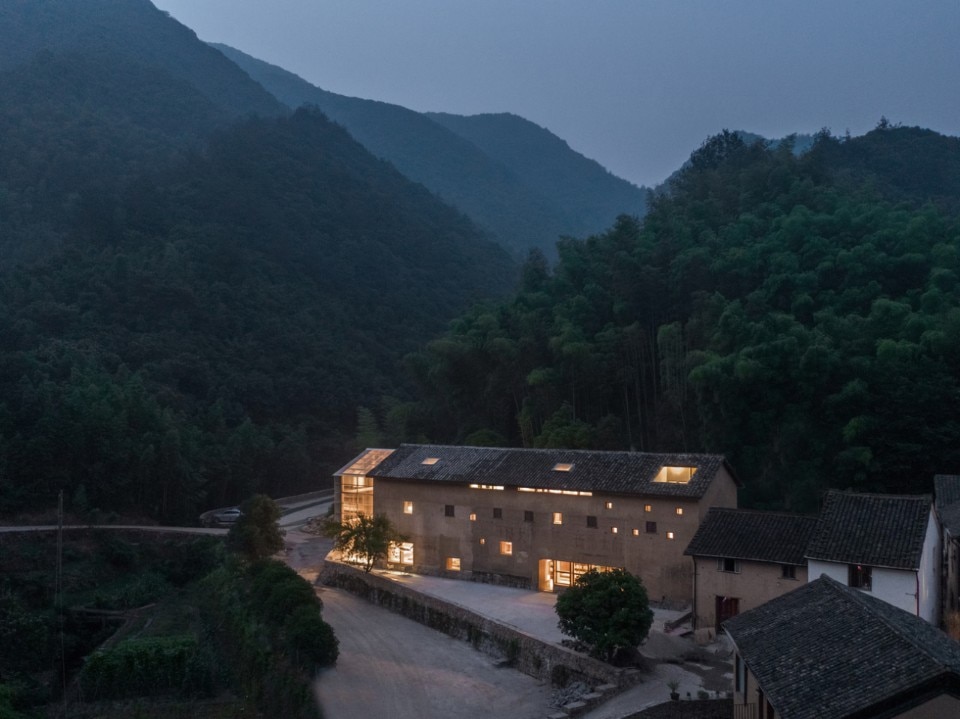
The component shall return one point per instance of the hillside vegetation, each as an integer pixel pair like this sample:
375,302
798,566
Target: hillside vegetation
520,182
799,314
192,306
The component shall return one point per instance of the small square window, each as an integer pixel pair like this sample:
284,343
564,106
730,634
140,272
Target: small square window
608,505
482,541
651,528
648,508
613,530
669,535
558,518
448,510
636,532
506,548
408,507
473,516
497,513
726,564
788,571
679,511
592,522
453,564
527,515
860,577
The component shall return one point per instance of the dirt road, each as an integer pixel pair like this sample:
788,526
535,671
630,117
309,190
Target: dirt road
390,666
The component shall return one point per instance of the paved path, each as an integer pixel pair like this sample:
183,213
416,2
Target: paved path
391,666
139,527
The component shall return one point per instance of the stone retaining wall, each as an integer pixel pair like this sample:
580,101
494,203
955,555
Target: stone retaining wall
539,659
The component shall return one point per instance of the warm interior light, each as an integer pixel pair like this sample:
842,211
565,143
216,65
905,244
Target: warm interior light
562,467
430,460
676,475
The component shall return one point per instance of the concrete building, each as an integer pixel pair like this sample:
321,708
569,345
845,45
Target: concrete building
947,504
887,545
743,558
826,651
539,518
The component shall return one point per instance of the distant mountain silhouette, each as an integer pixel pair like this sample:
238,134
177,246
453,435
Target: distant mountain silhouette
520,182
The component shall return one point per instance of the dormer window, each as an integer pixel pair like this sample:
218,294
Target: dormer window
562,467
430,460
675,475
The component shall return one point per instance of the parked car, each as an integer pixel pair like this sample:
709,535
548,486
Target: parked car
228,516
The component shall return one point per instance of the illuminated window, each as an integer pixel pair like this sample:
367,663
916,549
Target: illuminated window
487,486
483,541
676,475
506,547
651,528
648,508
453,564
613,530
497,513
473,516
568,492
401,553
636,532
527,515
408,507
448,510
679,511
609,505
430,460
558,517
562,467
592,522
669,535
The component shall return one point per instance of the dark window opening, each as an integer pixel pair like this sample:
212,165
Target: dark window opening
592,522
651,527
789,571
448,510
860,577
527,515
497,513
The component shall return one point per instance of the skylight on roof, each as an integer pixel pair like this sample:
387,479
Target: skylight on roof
675,475
562,467
430,460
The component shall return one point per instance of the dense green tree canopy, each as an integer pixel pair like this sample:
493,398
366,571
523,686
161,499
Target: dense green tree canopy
606,611
782,310
257,534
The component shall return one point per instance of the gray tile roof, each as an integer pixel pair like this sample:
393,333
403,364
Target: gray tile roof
758,536
947,489
825,651
880,530
613,472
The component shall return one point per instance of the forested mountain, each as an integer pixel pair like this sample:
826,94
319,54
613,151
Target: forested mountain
592,196
94,92
207,300
136,30
520,182
799,314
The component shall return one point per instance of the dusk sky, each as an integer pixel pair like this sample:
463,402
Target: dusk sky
634,84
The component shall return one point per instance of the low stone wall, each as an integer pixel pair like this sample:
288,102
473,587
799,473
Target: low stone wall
539,659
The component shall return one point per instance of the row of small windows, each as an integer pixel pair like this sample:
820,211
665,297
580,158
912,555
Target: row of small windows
675,475
728,564
450,511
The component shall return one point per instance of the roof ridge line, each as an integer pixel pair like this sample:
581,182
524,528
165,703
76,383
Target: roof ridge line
865,602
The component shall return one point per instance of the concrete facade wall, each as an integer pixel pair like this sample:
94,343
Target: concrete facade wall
929,589
755,584
657,559
894,586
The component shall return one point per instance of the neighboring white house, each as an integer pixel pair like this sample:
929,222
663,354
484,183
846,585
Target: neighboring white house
947,488
887,545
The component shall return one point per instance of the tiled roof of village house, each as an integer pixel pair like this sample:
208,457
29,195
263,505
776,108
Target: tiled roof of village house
758,536
947,492
826,651
880,530
615,472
